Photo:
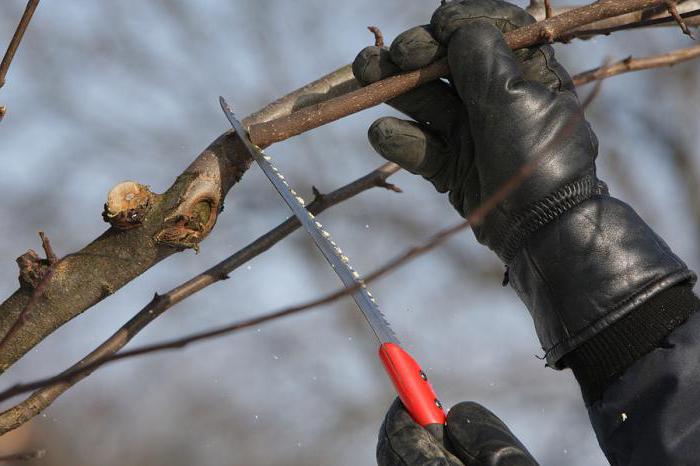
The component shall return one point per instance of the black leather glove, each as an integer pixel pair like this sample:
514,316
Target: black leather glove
579,259
474,436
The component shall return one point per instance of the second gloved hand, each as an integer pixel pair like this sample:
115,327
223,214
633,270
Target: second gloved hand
474,436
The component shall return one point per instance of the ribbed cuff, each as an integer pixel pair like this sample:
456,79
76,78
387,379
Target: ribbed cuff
600,360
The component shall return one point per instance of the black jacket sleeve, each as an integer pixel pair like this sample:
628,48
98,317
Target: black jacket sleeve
650,415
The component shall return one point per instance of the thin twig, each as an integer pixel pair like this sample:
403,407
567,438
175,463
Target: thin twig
16,416
48,250
26,313
585,33
595,92
637,64
24,456
14,43
378,36
548,9
673,11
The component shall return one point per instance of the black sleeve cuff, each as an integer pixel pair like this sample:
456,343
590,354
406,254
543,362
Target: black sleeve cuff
600,360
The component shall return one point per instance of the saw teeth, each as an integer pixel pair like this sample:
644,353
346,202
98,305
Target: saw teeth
325,234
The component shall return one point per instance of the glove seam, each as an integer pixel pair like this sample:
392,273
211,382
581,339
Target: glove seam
512,234
551,70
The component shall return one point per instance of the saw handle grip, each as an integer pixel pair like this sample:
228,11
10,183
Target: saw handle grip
413,387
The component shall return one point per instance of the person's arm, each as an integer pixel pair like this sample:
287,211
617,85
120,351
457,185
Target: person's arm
603,289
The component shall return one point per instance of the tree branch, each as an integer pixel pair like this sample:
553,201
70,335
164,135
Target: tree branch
173,221
264,134
14,44
637,64
38,401
690,18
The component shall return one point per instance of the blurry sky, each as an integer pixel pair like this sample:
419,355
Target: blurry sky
101,92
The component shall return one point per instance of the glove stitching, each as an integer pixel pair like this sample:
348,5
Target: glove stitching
512,234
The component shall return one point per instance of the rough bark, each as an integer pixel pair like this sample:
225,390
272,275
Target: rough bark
177,219
172,222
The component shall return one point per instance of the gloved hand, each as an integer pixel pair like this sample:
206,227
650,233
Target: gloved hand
474,436
579,259
501,113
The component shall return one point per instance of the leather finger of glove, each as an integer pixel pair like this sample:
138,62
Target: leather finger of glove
479,438
516,121
537,63
434,103
416,148
416,48
402,442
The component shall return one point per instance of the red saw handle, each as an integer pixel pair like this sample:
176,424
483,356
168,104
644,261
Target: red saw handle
412,385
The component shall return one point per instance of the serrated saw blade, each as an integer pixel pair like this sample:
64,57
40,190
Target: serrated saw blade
321,237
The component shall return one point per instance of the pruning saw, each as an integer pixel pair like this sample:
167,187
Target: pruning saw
409,379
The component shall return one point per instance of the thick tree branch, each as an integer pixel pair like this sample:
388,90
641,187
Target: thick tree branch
173,221
38,401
